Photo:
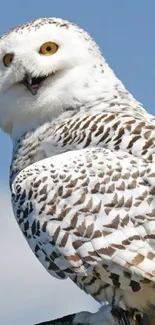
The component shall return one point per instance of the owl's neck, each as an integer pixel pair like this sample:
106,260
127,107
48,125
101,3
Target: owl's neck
102,93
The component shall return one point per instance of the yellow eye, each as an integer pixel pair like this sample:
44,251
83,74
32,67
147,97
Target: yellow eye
48,48
7,59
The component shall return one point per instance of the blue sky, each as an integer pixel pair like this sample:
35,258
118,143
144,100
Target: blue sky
125,32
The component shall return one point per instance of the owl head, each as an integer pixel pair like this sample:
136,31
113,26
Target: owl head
47,66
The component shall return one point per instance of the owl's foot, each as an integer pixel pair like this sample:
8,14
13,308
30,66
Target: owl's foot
123,317
109,315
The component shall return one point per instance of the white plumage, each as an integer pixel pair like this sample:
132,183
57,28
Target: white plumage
83,169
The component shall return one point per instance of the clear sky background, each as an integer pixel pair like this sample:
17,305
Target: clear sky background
125,31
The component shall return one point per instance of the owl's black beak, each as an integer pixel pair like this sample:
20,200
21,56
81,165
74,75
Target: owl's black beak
32,84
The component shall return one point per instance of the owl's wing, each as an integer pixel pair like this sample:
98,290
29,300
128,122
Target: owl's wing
114,130
89,207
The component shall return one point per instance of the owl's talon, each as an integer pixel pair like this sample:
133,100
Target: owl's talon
138,317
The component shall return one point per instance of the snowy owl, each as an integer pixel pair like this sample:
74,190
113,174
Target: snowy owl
82,175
